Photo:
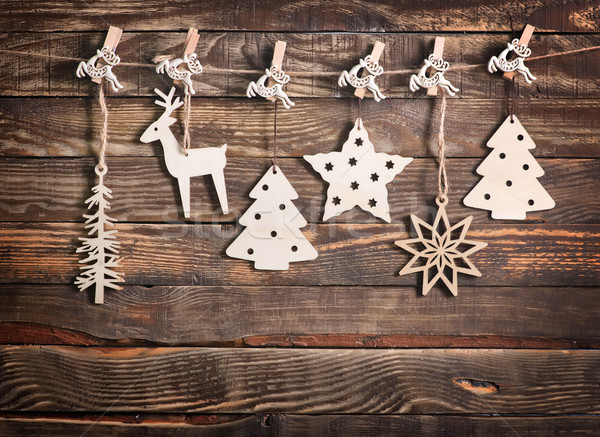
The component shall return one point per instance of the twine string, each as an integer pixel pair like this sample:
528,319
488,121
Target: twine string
104,131
298,73
512,100
187,103
274,137
442,176
359,109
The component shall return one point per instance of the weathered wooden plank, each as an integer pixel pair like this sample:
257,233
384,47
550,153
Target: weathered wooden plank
351,254
350,316
291,425
143,190
305,15
575,77
223,380
40,126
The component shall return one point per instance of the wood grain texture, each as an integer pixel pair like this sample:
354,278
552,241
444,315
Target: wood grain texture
305,15
40,127
143,191
223,380
293,425
350,316
577,76
349,254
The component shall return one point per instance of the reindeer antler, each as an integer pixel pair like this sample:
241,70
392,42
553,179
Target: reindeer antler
168,104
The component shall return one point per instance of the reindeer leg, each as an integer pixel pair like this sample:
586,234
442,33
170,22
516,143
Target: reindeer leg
492,66
250,91
219,181
184,192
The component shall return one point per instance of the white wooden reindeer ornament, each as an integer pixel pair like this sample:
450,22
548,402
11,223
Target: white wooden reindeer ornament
519,48
106,54
270,84
372,71
198,162
189,60
437,79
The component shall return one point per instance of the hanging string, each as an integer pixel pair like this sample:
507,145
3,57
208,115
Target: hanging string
104,131
187,103
359,109
512,100
297,73
274,137
442,176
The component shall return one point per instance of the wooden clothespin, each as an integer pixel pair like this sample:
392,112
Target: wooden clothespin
191,41
278,54
438,52
112,41
375,55
524,40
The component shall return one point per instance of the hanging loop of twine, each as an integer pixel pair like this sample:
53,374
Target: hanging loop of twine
359,110
274,138
104,132
512,100
442,175
187,103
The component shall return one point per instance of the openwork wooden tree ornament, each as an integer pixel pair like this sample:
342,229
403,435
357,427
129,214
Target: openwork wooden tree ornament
184,164
357,176
509,187
101,245
272,238
522,52
441,250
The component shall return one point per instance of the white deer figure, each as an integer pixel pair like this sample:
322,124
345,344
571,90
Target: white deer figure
89,67
368,81
198,162
437,79
193,67
518,64
276,90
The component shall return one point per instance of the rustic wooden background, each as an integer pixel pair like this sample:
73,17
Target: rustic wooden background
199,344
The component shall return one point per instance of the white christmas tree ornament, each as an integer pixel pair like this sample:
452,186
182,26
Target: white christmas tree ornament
509,187
102,247
357,175
272,238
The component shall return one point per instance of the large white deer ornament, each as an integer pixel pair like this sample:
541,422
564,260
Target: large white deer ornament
518,64
89,67
172,70
197,162
368,81
276,90
437,79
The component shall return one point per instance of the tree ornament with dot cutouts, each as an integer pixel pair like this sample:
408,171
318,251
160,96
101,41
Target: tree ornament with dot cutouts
272,238
509,187
357,175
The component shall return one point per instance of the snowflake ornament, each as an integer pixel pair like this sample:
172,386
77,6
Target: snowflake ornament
357,175
442,250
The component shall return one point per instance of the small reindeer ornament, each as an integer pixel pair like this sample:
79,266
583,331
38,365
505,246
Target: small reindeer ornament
437,79
368,81
172,69
197,162
276,90
89,67
517,64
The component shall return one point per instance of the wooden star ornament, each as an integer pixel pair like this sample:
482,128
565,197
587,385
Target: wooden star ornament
441,251
357,175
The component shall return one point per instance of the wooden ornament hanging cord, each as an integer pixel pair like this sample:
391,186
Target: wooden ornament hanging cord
443,186
104,132
273,159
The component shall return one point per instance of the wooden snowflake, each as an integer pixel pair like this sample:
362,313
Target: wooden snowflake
441,251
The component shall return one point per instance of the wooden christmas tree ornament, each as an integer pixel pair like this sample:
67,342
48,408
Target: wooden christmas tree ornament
437,63
276,77
95,70
357,175
509,187
440,250
371,70
197,162
520,49
102,246
189,60
272,238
